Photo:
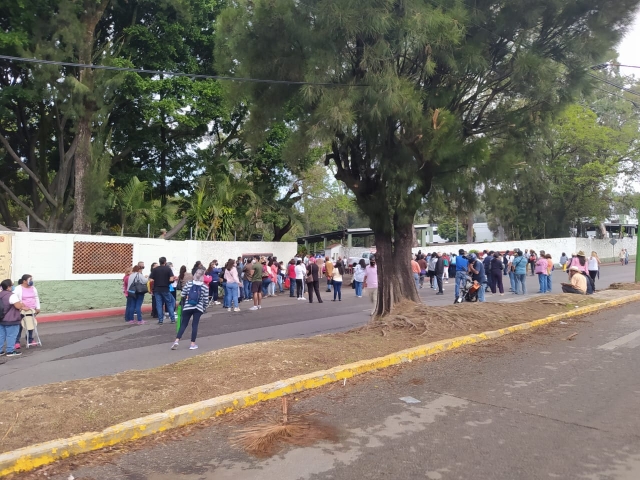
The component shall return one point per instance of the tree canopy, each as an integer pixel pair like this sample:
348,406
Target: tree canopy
409,93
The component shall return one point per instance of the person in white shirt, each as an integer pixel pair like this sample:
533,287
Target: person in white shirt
594,266
301,273
512,276
371,283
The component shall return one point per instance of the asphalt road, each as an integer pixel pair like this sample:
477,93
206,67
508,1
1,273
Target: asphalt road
96,347
528,406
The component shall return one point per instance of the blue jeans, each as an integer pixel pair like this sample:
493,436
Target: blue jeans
138,306
184,323
265,285
280,280
247,288
481,291
130,308
225,300
521,283
169,301
9,333
292,287
232,295
359,286
512,280
416,278
337,290
542,279
549,282
461,276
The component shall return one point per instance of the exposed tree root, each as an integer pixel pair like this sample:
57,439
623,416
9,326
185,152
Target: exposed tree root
425,320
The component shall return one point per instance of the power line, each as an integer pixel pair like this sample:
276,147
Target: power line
613,84
602,66
172,74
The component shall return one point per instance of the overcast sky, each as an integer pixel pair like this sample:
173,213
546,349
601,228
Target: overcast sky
629,49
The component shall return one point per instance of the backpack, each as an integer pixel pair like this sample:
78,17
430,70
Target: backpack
446,262
193,297
2,312
138,287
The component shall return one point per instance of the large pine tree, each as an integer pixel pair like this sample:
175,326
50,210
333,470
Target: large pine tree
418,89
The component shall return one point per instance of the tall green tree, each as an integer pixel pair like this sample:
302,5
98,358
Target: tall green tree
65,130
569,171
414,89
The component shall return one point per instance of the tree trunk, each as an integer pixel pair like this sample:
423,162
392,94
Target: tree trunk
470,238
395,278
81,222
278,232
163,164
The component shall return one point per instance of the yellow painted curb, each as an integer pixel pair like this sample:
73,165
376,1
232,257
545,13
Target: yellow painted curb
29,458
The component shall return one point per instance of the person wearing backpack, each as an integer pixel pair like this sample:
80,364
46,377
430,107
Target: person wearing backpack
10,306
136,288
195,299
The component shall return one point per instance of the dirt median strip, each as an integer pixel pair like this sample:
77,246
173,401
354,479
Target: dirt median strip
100,402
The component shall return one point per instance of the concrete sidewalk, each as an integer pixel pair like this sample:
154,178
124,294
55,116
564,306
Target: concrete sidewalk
524,407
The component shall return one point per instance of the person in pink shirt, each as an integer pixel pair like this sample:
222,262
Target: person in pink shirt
371,283
28,296
580,261
291,272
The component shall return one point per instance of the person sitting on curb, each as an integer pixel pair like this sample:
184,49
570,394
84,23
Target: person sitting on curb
578,282
10,321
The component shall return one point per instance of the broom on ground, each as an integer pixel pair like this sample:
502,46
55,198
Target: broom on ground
267,437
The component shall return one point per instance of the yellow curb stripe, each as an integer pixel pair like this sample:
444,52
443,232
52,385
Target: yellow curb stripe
34,456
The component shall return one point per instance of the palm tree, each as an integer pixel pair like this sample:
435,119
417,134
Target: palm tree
212,207
198,207
131,204
225,197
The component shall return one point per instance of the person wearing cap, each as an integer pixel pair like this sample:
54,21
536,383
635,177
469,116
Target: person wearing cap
578,282
462,268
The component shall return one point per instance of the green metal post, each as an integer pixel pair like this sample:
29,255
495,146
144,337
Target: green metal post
349,241
423,237
637,250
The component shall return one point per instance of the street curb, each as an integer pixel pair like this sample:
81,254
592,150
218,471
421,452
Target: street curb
34,456
85,314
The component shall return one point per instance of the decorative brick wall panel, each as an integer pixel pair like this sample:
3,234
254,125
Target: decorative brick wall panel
102,258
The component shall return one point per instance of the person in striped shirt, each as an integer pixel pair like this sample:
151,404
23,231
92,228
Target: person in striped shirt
190,310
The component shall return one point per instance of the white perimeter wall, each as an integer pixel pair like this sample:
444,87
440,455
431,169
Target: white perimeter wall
554,246
49,256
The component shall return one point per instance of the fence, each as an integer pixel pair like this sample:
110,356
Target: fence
52,256
554,246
